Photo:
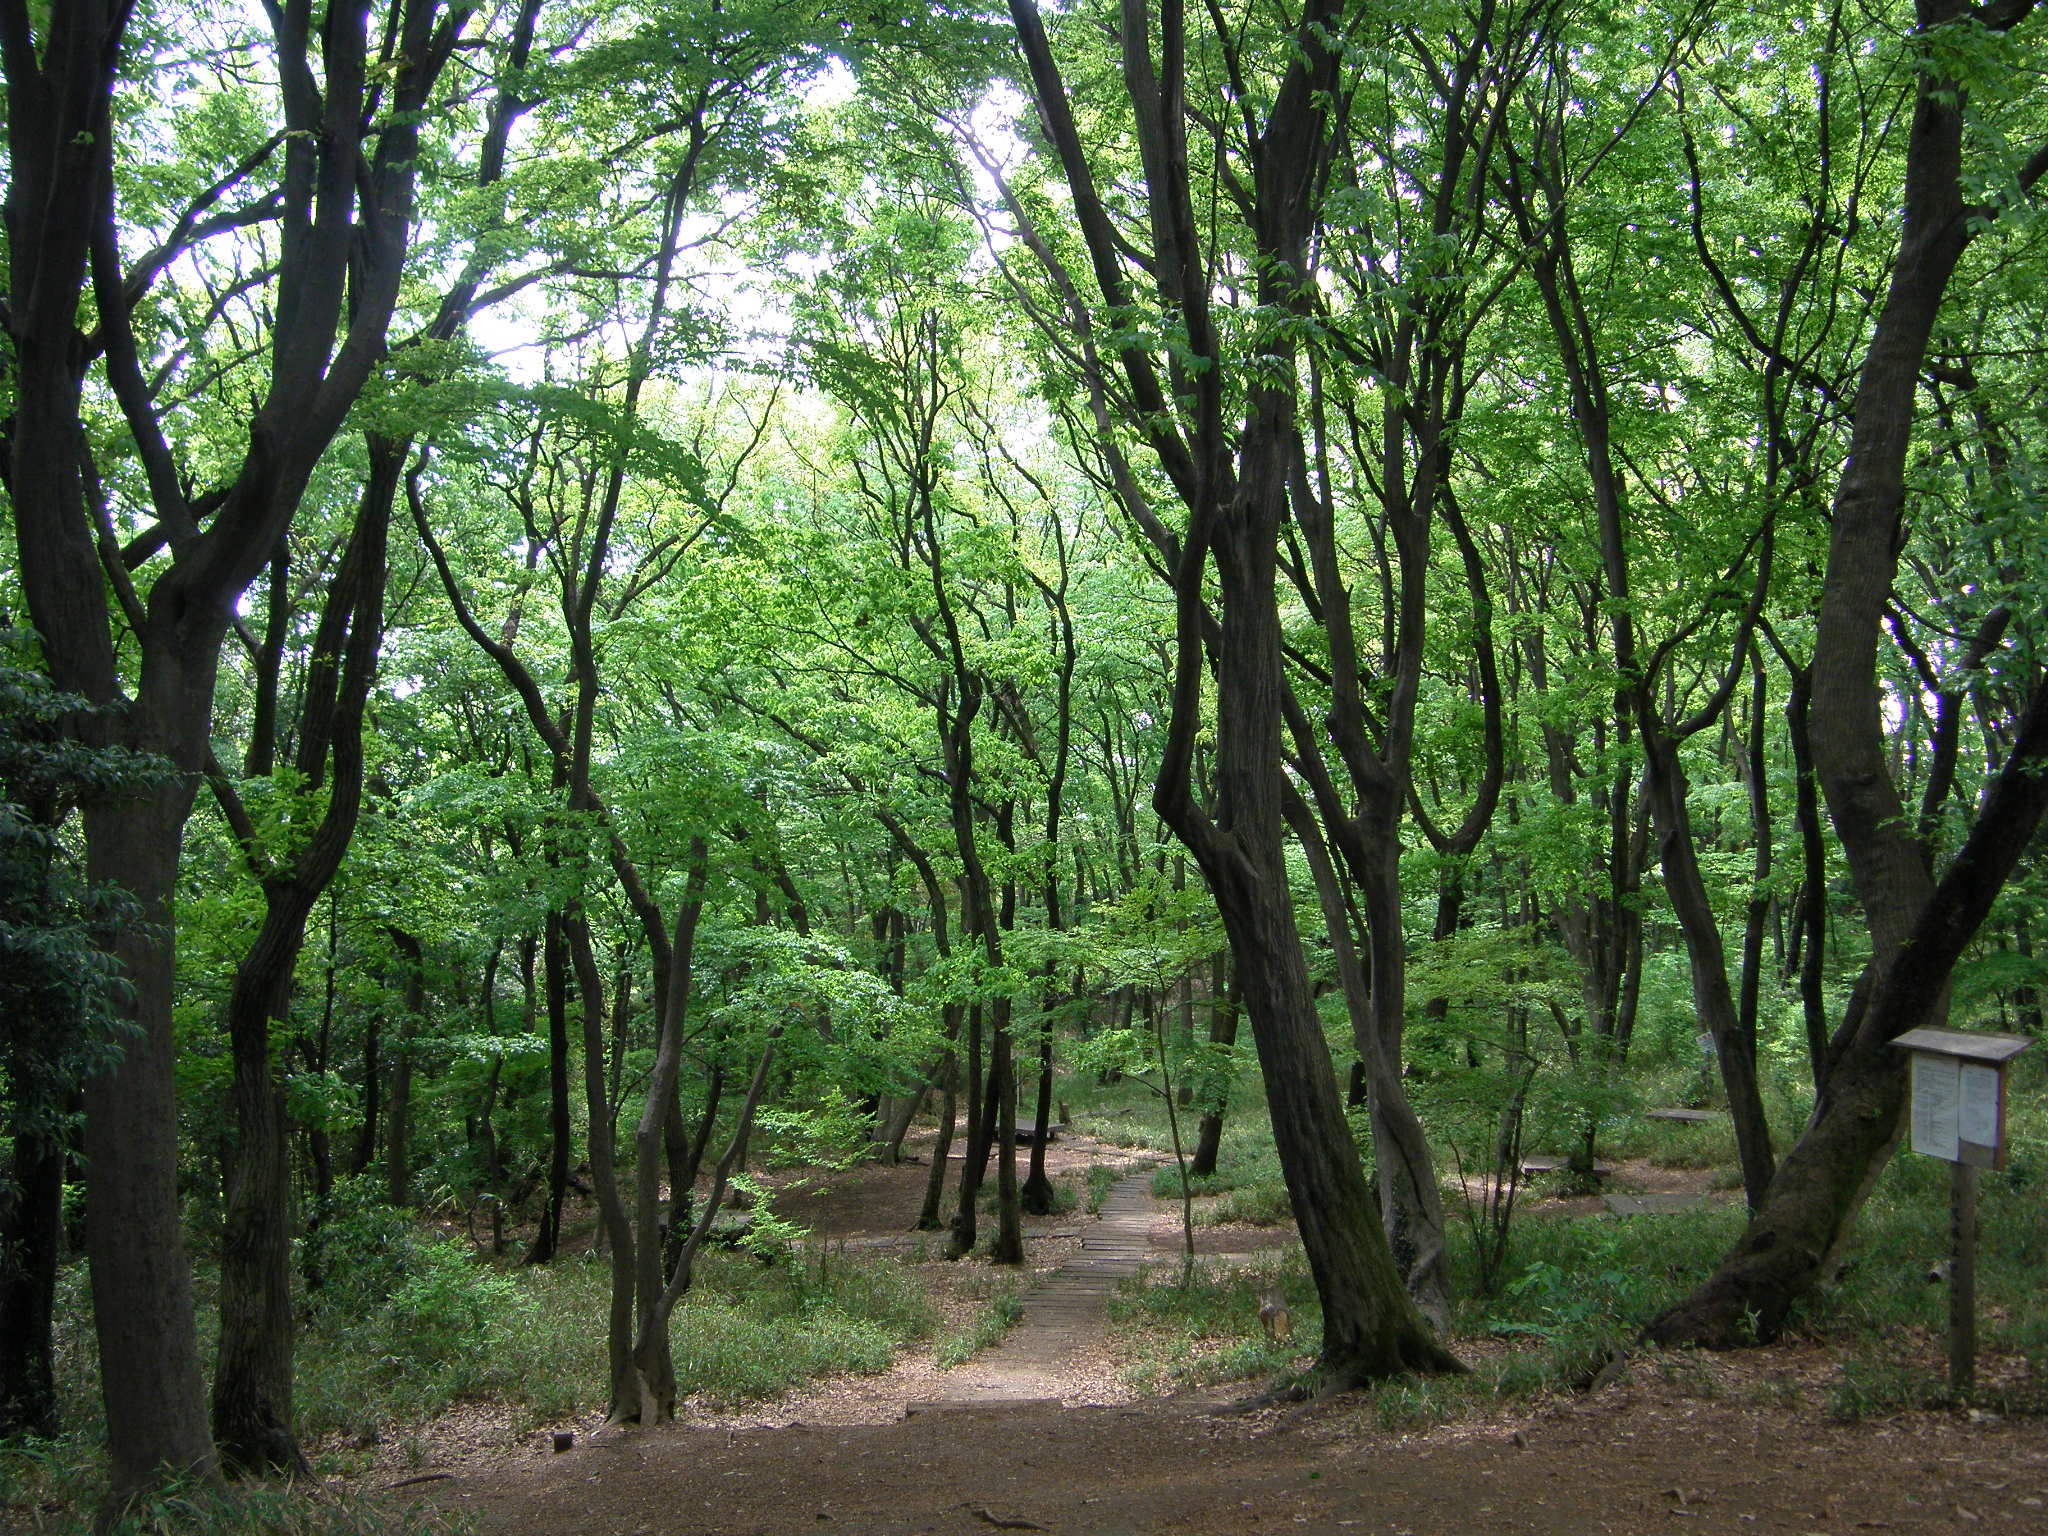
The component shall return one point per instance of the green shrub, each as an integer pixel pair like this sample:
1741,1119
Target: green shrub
455,1328
1257,1205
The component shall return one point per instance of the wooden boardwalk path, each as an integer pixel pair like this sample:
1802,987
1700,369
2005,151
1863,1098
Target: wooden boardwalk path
1067,1309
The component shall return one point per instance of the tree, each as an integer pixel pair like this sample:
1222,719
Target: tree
342,204
1234,487
1918,925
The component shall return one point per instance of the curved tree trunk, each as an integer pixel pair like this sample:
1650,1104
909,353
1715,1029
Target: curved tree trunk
1809,1206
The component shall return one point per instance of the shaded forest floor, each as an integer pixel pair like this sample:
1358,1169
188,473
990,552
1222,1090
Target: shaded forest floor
1728,1443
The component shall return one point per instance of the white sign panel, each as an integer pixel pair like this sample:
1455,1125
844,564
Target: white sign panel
1937,1105
1977,1114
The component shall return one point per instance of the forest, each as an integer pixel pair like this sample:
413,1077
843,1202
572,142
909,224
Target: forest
598,600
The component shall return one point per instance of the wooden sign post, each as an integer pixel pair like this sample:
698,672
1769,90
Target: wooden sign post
1958,1106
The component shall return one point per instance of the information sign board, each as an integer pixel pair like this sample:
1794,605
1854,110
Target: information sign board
1959,1093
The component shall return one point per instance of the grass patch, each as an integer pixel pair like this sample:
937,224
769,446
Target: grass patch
997,1316
1101,1179
414,1325
1205,1329
56,1485
1256,1205
1870,1389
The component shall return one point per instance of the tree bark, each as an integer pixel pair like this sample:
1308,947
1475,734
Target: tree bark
547,1237
1223,1033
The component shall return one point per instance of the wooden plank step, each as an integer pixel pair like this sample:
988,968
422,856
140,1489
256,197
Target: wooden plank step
1653,1204
1546,1164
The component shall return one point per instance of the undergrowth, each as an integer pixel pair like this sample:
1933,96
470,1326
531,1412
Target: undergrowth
1203,1328
50,1487
997,1315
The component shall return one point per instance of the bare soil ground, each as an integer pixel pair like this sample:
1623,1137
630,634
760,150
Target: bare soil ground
1708,1443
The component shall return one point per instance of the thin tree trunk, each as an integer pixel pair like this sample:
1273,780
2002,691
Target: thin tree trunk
1223,1034
928,1217
655,1368
31,1239
965,1216
547,1239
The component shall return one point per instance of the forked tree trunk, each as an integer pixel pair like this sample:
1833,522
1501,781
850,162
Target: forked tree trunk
642,1397
1411,1209
1855,1126
252,1390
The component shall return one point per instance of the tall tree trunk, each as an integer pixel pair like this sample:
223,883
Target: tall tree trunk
344,199
1370,1326
134,1232
1036,1197
252,1388
1411,1209
655,1380
1856,1123
928,1216
1008,1247
1813,886
604,1173
1712,999
978,1129
398,1115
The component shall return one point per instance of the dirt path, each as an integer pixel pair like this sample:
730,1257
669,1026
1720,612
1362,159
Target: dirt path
1042,1434
1626,1464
